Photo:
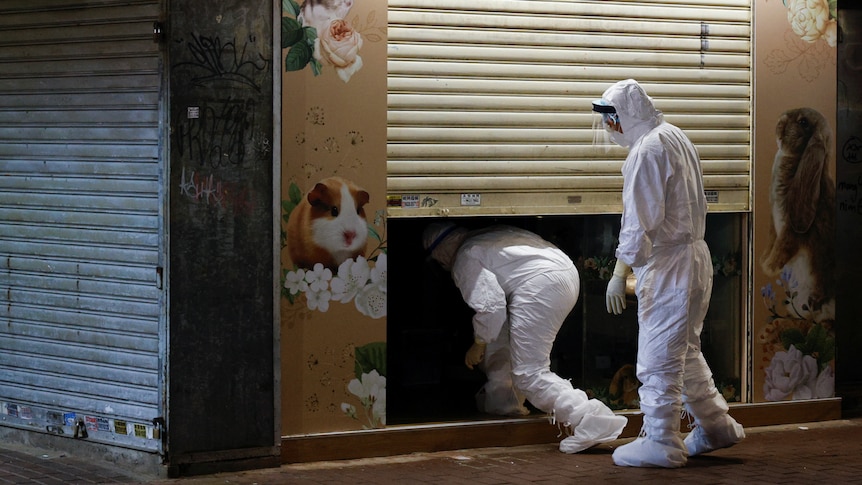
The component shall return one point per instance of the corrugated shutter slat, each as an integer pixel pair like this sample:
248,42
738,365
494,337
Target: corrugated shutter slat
80,213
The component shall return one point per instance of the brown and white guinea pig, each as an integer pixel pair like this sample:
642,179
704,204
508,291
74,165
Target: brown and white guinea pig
802,198
328,226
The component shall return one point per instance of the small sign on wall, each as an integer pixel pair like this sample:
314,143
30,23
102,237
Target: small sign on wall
471,199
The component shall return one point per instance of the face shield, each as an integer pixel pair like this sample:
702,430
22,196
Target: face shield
606,122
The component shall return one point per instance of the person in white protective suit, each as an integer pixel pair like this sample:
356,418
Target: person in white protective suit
521,288
661,239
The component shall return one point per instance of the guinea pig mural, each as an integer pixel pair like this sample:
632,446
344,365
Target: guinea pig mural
328,226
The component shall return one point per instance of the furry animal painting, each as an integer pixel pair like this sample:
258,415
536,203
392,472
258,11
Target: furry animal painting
317,13
802,200
328,226
624,386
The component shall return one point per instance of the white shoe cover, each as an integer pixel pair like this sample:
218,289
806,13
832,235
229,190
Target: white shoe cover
717,436
644,452
592,430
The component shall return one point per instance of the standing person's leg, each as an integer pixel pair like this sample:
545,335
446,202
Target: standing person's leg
714,427
536,313
662,344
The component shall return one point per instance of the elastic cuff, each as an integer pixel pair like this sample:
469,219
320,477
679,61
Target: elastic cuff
621,269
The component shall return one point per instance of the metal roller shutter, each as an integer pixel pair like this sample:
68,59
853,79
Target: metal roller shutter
80,218
489,100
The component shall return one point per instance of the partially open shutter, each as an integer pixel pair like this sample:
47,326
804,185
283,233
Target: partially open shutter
489,100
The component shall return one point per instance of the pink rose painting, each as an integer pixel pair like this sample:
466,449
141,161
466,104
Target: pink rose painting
318,35
338,45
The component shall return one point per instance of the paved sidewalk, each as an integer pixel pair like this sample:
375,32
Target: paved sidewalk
829,453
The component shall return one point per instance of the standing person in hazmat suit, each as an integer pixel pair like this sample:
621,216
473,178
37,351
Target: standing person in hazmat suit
522,288
661,238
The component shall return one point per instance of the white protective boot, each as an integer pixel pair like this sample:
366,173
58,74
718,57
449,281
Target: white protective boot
590,420
659,445
714,428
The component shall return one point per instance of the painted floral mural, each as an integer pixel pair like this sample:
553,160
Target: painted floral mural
813,20
369,386
355,280
799,353
317,34
333,227
812,33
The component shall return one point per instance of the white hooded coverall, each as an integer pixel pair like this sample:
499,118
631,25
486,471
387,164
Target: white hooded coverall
661,238
520,284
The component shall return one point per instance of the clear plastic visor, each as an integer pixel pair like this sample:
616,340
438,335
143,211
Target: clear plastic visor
601,131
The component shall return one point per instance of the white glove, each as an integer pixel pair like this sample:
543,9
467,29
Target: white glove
475,354
615,298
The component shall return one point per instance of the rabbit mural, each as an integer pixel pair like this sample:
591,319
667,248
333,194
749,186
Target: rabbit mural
798,341
802,199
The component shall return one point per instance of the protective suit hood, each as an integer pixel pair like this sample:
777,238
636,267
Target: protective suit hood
442,240
635,109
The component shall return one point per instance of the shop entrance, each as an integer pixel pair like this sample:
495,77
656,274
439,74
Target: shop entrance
430,328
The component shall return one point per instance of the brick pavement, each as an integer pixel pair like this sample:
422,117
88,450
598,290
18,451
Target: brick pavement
25,465
827,452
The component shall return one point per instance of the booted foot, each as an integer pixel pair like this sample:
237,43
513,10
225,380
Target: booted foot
644,452
593,430
714,437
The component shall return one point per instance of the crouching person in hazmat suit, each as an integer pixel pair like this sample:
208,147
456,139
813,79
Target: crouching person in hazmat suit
521,288
661,238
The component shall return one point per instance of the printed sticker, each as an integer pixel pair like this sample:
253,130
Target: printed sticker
92,423
140,431
26,412
102,424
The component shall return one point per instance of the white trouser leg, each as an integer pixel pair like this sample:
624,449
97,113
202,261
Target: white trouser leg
662,346
498,395
714,427
663,331
536,314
